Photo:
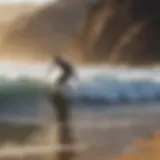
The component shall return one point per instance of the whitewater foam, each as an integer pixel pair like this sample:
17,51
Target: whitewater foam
96,84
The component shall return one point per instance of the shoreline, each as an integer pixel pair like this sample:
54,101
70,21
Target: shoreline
83,65
123,127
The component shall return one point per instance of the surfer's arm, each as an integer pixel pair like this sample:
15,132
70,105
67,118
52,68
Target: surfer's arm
50,69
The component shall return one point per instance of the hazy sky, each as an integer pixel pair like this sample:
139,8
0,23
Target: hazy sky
20,1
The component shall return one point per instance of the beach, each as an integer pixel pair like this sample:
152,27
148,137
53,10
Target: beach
101,133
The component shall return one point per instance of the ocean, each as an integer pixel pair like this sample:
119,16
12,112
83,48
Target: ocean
111,107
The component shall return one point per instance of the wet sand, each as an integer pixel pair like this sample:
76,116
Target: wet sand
104,132
120,131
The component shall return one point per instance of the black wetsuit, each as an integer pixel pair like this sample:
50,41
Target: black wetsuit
67,69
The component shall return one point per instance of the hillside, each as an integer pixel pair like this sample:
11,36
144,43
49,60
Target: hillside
109,31
123,32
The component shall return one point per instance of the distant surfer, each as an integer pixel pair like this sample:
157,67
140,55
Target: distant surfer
67,69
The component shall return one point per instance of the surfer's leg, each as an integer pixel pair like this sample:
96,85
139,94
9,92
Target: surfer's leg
62,80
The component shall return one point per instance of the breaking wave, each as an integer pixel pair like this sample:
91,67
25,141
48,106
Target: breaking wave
103,85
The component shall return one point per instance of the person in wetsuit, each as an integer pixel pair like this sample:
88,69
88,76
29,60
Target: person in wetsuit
66,67
61,104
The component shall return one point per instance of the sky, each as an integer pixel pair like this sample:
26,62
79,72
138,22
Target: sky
21,1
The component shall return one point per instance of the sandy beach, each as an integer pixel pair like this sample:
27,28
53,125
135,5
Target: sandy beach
104,132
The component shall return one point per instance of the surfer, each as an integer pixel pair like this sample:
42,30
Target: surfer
67,69
61,105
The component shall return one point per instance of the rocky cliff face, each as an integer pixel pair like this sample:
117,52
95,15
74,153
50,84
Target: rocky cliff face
105,31
123,31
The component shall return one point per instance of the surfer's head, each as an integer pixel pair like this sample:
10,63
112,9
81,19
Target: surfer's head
57,58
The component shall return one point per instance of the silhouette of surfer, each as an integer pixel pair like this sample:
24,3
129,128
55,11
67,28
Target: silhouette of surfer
67,69
61,105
